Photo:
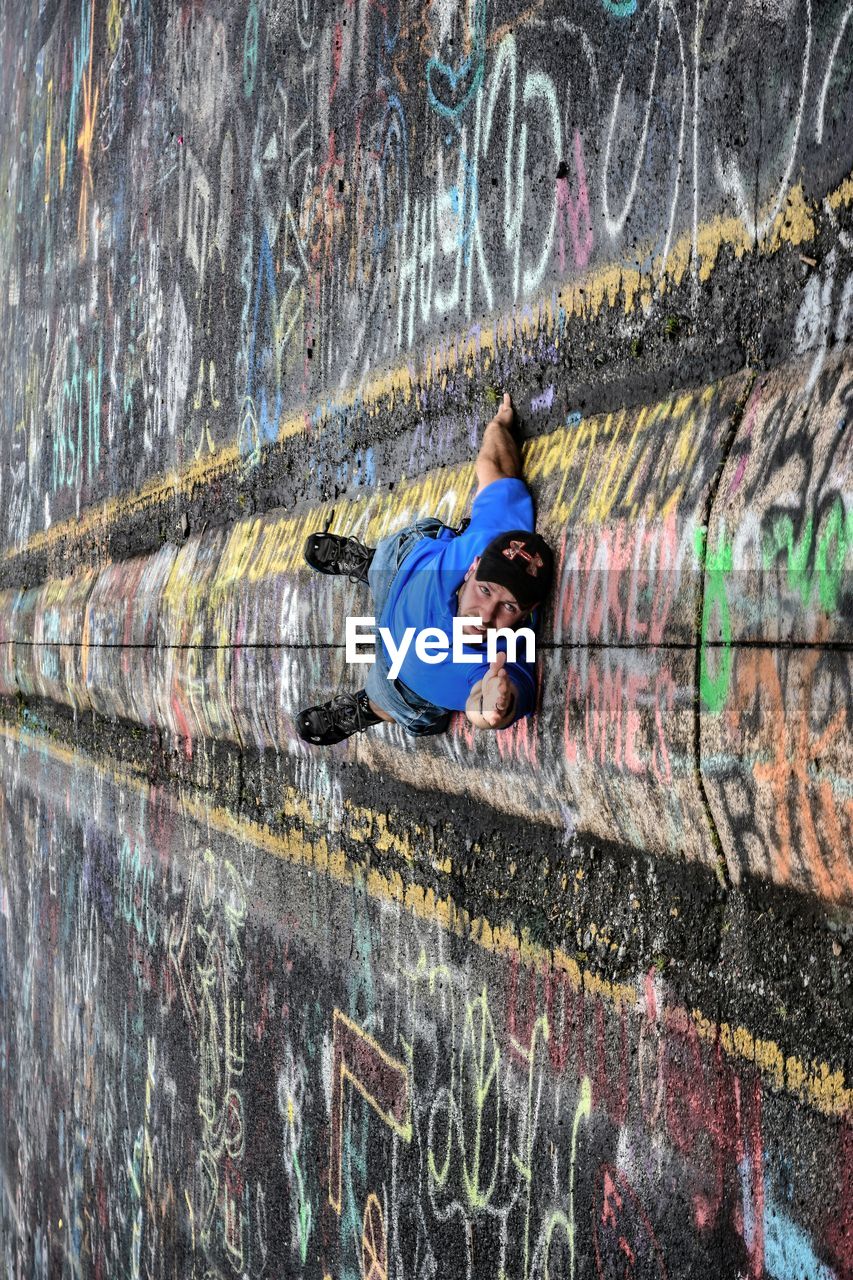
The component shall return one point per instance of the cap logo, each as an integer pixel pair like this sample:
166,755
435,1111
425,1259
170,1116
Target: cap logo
518,548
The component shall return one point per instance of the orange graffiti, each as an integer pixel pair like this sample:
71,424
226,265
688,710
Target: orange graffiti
809,828
85,138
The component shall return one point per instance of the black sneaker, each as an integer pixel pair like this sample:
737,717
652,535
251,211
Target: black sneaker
329,553
333,721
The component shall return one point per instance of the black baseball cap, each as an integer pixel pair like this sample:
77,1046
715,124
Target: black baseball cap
522,562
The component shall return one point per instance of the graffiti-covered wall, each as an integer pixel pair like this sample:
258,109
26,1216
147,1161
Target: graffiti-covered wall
571,999
222,218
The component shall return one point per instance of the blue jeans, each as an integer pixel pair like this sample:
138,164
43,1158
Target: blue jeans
414,713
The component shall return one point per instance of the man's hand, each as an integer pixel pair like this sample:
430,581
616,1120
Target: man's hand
496,692
505,413
491,704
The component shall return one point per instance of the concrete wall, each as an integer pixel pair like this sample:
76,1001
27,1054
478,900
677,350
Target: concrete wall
571,999
698,663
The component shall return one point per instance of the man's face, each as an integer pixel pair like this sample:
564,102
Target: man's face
487,600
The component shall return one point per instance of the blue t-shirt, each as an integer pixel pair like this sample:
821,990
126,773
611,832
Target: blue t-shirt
423,594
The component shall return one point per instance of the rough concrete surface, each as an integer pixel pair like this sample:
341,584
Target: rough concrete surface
570,1000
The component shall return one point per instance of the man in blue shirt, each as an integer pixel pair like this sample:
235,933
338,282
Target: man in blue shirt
495,569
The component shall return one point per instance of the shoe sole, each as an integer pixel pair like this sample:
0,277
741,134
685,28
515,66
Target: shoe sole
307,550
315,739
318,567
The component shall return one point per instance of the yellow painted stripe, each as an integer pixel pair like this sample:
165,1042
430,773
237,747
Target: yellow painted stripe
258,547
814,1083
795,224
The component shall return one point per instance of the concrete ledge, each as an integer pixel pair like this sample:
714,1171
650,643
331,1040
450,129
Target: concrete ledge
657,725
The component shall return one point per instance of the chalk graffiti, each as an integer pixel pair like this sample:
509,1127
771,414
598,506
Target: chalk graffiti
273,219
513,1114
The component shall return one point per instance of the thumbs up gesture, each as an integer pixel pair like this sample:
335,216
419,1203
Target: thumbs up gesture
497,692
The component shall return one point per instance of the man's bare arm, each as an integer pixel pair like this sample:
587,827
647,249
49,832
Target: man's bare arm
499,458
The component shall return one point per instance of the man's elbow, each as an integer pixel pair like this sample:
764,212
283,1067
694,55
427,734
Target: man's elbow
488,469
477,721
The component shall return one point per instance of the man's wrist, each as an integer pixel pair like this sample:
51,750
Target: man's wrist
474,706
513,702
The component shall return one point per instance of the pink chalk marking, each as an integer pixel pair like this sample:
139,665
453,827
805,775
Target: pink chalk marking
637,684
572,208
748,424
660,763
570,746
651,996
738,475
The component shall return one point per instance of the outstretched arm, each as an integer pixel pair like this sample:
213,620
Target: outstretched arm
492,702
498,458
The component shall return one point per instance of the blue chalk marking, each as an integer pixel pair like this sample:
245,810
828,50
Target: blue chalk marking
394,128
788,1251
573,419
473,66
80,59
620,8
437,68
260,349
250,50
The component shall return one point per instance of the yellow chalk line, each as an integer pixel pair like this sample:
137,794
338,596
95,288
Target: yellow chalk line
816,1084
255,548
794,224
